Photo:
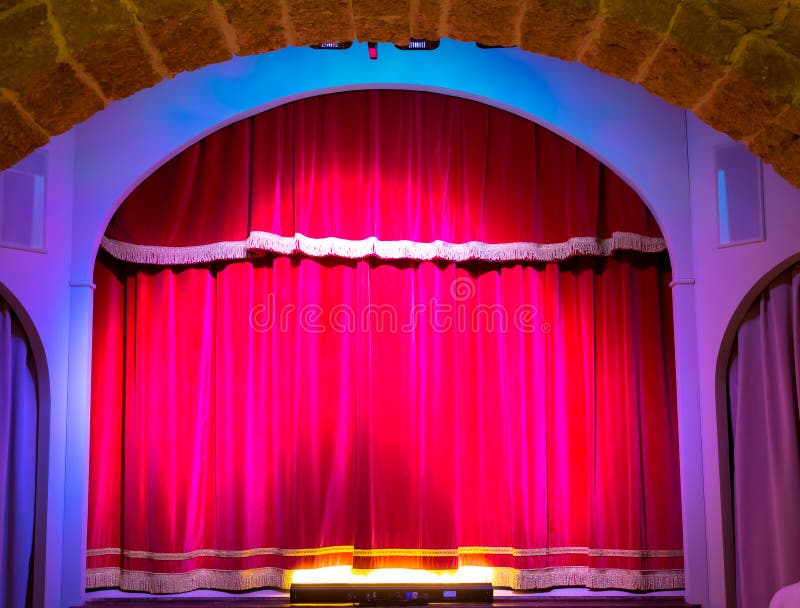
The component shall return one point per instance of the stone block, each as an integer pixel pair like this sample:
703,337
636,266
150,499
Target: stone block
150,10
19,137
767,65
697,28
751,14
558,29
621,49
119,64
318,21
258,25
84,21
680,76
486,22
26,45
787,32
190,40
653,15
57,99
382,20
425,17
738,107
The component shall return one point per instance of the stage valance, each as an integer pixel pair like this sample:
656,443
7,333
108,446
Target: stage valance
385,174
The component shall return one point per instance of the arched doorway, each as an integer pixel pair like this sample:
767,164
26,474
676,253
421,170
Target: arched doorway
757,386
618,123
22,489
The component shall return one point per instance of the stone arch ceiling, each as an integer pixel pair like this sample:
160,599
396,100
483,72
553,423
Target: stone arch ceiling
734,63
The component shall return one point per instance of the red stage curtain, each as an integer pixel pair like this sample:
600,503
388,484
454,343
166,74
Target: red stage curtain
254,417
286,407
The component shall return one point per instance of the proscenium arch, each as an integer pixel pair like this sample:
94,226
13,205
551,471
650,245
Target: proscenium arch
721,386
583,106
42,441
321,93
640,137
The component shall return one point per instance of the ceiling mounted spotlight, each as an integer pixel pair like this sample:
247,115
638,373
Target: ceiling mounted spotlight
419,44
333,46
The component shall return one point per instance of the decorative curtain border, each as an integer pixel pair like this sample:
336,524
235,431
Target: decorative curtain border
244,580
243,553
299,244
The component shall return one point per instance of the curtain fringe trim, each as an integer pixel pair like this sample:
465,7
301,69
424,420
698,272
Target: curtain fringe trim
244,580
592,578
224,580
404,552
299,244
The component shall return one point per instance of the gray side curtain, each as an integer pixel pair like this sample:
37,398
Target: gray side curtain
763,388
18,419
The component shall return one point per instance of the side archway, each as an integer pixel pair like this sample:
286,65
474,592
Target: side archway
756,397
42,444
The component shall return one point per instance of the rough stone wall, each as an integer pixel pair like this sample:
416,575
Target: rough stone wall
734,63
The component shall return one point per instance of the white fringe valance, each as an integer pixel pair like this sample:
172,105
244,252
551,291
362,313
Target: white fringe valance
244,580
175,256
300,244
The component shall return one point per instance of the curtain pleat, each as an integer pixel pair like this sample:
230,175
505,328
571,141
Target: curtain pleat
763,390
293,413
18,419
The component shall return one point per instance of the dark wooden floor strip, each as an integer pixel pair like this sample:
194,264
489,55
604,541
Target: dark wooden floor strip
245,602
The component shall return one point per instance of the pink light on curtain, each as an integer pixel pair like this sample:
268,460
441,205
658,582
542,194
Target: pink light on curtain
280,412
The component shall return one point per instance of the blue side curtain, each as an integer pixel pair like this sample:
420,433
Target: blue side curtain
18,419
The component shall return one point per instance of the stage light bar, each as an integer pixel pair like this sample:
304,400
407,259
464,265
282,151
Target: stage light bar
392,594
419,44
332,46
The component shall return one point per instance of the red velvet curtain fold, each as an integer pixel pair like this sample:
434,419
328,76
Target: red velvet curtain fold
255,417
385,416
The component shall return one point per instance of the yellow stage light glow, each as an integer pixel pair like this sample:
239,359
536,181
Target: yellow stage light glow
346,575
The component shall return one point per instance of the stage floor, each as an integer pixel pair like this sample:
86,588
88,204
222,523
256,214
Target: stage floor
545,602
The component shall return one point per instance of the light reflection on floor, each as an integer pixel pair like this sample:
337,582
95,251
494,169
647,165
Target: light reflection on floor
345,575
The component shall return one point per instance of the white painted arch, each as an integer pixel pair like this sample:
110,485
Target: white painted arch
639,136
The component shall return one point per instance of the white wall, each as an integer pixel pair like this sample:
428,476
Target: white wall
38,283
727,281
641,137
